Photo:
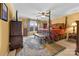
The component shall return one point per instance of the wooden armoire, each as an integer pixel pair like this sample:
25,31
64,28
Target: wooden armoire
16,37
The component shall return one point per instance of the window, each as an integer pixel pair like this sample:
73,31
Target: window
33,26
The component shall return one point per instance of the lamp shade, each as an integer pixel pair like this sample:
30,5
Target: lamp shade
74,24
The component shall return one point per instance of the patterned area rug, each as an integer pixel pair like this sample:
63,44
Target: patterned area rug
54,48
32,47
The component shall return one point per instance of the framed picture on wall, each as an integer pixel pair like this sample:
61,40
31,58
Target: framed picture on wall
4,15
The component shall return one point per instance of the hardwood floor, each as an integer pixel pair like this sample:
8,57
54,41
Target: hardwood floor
70,48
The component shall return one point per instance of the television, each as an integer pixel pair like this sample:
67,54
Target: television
4,12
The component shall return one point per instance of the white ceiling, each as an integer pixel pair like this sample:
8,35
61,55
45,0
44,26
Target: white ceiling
31,10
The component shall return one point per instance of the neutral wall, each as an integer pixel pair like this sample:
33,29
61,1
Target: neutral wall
58,20
70,19
4,32
4,37
25,22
